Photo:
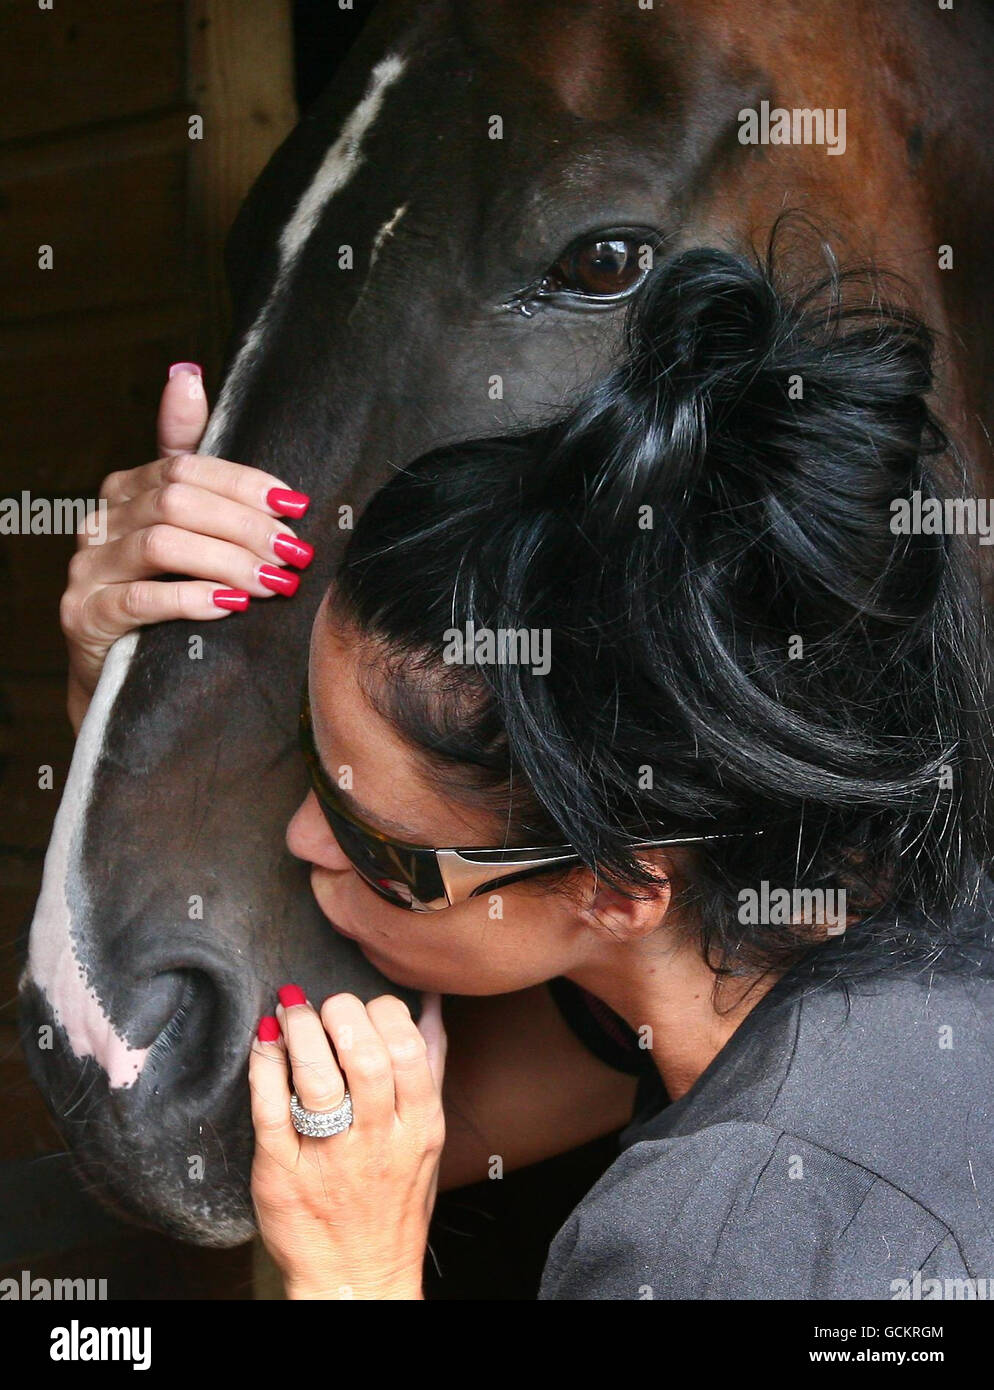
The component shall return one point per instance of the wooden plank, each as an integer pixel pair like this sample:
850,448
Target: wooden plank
108,395
84,62
241,80
20,871
33,644
31,703
118,233
109,328
34,574
28,809
160,132
33,718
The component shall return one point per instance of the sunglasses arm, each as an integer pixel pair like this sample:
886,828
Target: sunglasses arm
465,872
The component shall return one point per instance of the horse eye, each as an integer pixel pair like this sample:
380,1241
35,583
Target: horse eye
594,271
598,268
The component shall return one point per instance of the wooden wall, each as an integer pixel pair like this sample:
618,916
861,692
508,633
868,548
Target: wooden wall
96,161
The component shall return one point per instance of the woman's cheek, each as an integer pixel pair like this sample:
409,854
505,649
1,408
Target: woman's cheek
430,952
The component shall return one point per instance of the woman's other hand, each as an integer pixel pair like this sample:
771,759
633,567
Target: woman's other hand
221,523
347,1216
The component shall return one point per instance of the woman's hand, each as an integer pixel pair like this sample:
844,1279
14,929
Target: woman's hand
347,1216
186,513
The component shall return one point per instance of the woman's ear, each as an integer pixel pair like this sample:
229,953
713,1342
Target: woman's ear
610,913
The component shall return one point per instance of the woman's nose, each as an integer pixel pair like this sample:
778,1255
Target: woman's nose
310,837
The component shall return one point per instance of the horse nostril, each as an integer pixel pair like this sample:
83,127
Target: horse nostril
187,1012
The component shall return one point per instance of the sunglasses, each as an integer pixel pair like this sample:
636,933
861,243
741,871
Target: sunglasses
429,880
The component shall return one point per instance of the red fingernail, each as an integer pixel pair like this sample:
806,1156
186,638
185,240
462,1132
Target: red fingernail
235,599
193,367
287,503
269,1029
280,581
294,552
290,995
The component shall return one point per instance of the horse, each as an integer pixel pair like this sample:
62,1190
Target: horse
443,247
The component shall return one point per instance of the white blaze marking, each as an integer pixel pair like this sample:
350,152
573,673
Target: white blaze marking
385,231
338,166
52,961
53,965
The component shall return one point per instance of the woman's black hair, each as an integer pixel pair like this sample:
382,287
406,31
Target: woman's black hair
741,633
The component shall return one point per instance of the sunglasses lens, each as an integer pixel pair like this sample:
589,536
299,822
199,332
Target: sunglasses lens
405,877
380,864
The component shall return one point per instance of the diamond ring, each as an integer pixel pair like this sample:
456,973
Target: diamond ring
319,1124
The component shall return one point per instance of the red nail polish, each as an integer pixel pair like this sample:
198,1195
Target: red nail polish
193,367
294,552
287,503
237,600
280,581
290,995
269,1029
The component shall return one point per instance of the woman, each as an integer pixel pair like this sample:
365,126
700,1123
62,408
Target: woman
722,760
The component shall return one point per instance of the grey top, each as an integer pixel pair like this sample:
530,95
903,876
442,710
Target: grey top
841,1141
